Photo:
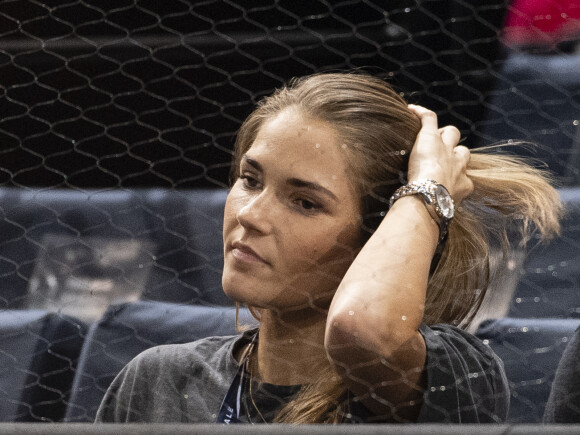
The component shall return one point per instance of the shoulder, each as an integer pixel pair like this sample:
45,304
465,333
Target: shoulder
448,345
453,341
466,381
152,386
181,355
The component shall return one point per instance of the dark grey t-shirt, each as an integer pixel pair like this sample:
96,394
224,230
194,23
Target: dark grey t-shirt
187,382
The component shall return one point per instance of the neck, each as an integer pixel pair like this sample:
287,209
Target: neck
290,346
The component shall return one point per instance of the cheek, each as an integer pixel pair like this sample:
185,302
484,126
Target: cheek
234,203
340,255
228,212
328,250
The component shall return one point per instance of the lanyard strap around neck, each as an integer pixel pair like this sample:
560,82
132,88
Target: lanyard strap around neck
232,404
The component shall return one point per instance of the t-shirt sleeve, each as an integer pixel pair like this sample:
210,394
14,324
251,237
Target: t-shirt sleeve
176,383
147,389
119,405
466,381
564,402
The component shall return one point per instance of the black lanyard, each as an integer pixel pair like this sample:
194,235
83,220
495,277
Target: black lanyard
232,403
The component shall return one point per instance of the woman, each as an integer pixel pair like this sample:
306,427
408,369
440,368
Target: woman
358,309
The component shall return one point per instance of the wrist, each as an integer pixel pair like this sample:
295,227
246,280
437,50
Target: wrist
418,217
436,199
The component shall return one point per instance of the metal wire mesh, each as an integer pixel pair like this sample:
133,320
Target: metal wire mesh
112,113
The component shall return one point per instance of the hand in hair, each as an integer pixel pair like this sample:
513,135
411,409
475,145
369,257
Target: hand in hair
436,155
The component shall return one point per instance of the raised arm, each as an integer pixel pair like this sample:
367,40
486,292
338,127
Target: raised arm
372,331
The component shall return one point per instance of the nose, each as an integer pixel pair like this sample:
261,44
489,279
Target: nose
257,213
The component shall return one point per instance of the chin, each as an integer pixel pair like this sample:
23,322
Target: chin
236,287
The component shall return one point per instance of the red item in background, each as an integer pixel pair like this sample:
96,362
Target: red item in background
541,22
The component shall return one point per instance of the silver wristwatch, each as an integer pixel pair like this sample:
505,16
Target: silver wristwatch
437,200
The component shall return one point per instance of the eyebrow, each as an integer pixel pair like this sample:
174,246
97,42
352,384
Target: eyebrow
254,163
296,182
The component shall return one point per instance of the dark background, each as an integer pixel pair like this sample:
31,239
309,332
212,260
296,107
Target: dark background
146,93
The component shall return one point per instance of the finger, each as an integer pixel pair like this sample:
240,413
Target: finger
450,135
462,153
428,118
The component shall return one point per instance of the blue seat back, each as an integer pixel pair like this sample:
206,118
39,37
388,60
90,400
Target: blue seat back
549,283
189,257
531,350
180,232
38,357
536,99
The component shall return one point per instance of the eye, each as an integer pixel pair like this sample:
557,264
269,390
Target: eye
307,206
249,182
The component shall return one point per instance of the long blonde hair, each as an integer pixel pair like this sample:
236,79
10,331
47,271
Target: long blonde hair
510,197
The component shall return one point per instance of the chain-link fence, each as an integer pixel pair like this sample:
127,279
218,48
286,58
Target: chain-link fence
117,123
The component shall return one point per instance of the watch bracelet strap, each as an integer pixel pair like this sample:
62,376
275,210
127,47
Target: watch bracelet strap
416,188
438,254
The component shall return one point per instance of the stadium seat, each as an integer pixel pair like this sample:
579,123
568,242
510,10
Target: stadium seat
38,357
549,282
178,240
531,350
189,269
152,244
127,329
536,100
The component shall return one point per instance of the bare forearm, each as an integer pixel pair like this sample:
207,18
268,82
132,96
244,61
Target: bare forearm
382,296
372,331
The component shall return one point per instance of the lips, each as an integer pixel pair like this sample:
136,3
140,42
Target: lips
243,252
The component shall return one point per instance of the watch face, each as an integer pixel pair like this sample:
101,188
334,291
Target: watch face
444,201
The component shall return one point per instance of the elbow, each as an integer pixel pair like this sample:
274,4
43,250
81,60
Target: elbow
348,334
341,331
342,342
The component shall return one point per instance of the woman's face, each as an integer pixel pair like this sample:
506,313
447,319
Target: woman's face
292,218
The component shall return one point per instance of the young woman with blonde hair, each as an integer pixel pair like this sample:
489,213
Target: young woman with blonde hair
359,232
